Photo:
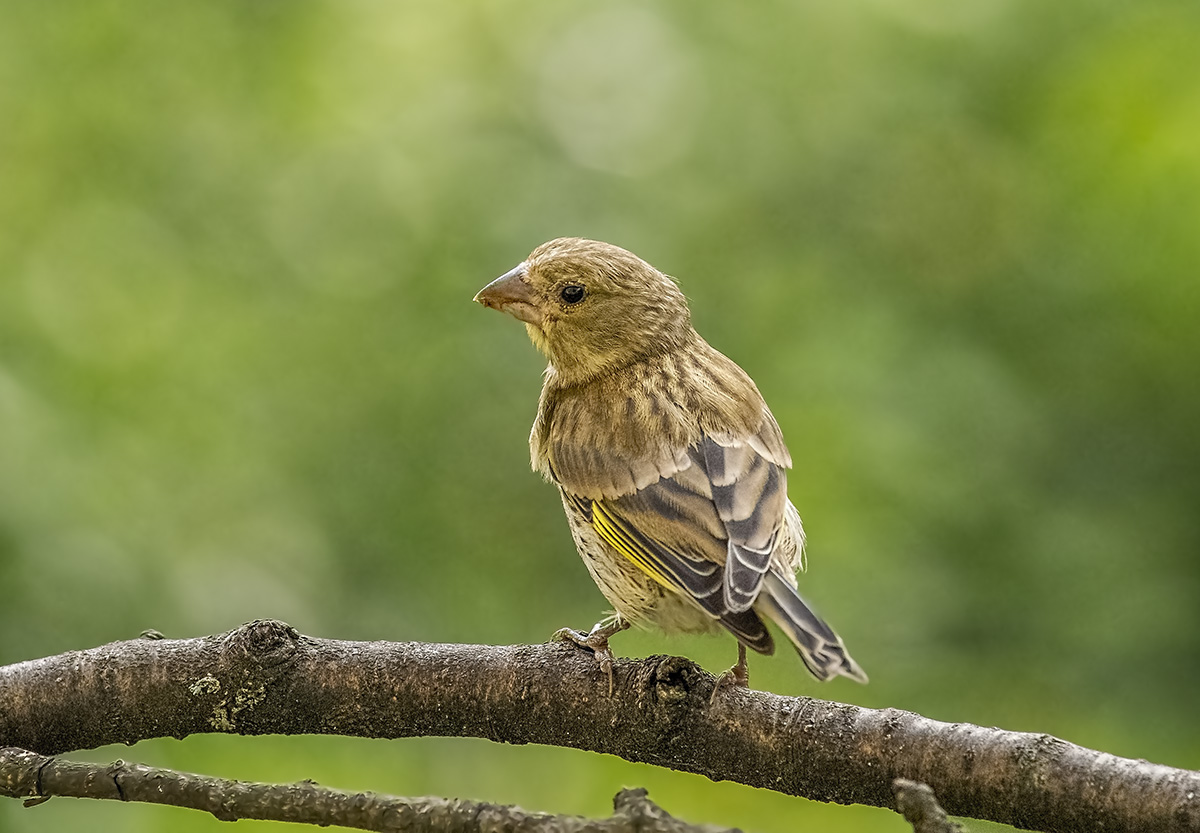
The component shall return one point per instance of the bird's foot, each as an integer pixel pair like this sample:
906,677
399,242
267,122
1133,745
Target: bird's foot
596,641
737,676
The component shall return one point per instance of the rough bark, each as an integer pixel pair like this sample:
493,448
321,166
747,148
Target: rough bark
265,678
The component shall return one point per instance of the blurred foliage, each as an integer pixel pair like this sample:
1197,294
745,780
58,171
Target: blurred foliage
955,243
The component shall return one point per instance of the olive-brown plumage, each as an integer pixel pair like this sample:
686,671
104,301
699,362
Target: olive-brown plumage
671,468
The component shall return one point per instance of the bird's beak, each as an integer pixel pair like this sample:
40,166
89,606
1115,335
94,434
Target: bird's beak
511,293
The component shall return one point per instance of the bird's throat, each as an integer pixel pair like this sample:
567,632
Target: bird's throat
538,337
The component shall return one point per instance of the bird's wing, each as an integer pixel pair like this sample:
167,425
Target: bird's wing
750,495
709,530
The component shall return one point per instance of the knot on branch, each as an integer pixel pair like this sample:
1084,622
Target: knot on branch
21,772
920,808
635,803
265,642
674,679
671,689
252,658
642,815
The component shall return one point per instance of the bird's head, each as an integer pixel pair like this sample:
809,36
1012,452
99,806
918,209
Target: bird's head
591,307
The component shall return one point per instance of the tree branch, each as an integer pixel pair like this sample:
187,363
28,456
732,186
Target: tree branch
38,777
264,678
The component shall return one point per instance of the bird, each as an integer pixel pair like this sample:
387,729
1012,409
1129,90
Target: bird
671,468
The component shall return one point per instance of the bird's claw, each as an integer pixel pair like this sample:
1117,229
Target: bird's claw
596,641
738,676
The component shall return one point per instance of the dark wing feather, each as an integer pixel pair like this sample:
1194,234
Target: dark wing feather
820,648
750,495
706,530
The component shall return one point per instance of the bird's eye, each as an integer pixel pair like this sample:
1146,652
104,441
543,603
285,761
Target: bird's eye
572,293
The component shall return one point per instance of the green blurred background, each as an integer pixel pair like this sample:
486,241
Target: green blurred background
956,243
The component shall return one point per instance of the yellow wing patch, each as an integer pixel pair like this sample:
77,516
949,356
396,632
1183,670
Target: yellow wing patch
612,531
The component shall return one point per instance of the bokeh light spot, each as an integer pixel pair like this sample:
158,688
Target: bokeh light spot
620,91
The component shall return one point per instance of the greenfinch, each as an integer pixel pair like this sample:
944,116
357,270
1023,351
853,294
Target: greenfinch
671,467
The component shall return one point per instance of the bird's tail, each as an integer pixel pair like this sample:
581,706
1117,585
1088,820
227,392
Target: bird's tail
820,648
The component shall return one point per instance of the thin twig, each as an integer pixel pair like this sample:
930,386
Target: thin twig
37,778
